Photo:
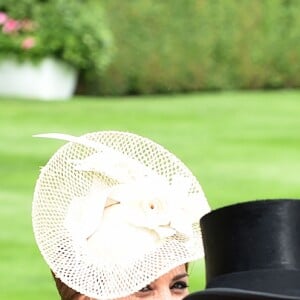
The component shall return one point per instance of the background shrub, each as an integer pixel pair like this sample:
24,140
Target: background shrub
180,46
73,31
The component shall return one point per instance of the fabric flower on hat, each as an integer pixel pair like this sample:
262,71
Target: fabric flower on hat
153,203
148,208
145,204
150,203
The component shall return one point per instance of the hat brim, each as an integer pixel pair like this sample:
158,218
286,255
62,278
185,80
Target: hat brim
97,252
230,293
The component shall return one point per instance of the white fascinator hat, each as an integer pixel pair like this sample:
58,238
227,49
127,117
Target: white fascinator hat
113,211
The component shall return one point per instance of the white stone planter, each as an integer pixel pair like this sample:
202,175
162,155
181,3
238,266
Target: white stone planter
49,80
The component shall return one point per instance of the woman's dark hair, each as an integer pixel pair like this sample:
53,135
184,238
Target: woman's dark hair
65,292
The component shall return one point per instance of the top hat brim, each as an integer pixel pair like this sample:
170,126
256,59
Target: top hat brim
232,294
255,284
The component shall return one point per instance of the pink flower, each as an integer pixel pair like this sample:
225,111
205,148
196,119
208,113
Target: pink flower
28,43
11,26
3,17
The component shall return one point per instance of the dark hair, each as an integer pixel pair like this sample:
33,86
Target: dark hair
65,292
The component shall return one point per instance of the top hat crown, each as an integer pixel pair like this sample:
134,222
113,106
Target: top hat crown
252,251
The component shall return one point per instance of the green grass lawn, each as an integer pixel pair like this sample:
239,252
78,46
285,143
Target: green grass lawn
241,146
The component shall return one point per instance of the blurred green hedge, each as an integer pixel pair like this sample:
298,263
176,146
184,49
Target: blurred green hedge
179,46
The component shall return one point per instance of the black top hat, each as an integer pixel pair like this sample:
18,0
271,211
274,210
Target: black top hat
252,251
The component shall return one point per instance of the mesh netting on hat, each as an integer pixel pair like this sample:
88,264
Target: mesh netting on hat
69,257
